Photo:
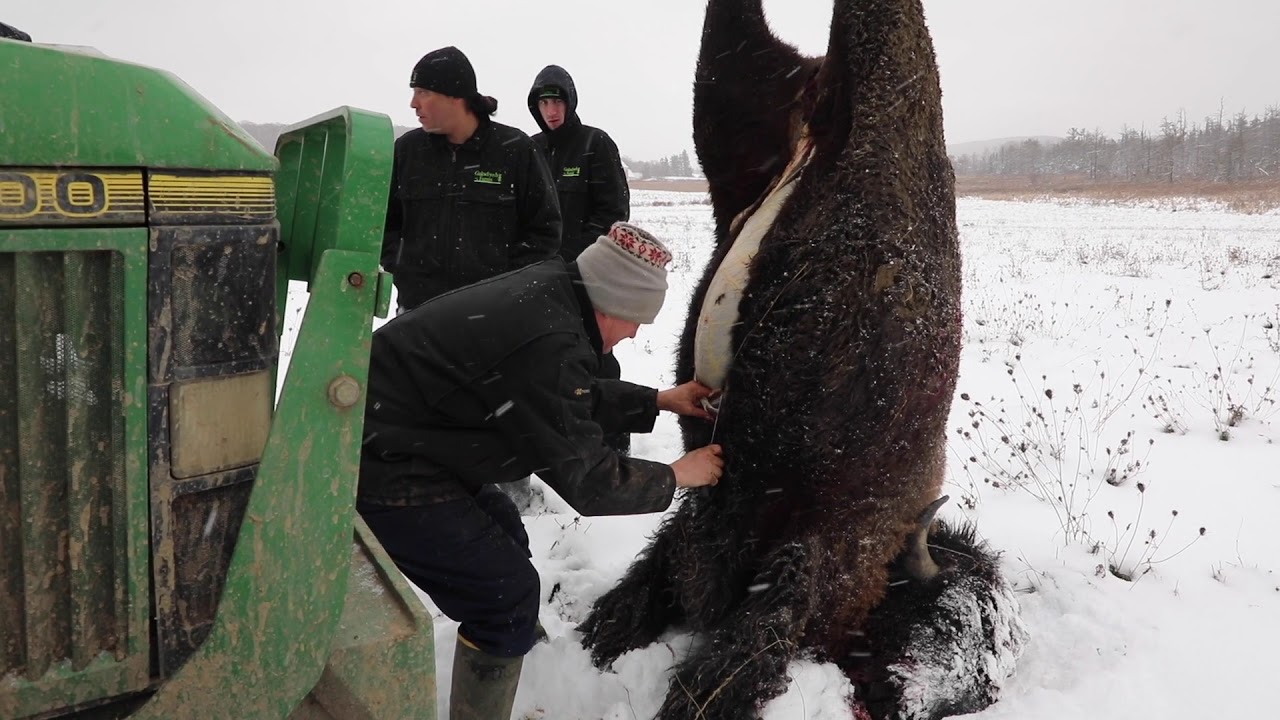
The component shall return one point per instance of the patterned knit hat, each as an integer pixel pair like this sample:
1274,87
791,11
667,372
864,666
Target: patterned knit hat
625,273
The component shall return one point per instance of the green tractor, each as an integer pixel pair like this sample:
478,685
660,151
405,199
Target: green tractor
174,541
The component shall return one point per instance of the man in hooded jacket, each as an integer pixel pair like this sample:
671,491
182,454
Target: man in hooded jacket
590,181
584,162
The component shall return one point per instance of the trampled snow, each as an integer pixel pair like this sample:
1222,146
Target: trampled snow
1114,433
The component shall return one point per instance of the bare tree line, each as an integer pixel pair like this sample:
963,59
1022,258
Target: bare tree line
679,165
1222,149
267,133
671,166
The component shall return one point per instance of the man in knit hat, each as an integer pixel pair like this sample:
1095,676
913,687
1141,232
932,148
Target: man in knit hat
590,181
470,198
486,385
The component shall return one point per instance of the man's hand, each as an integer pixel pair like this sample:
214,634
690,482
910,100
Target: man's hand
699,468
686,399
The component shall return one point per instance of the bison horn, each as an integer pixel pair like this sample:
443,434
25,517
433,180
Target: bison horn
919,563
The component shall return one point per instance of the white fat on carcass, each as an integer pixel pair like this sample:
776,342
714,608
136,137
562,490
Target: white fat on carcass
713,339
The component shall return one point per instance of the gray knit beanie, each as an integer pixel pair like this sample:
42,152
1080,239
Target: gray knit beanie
625,273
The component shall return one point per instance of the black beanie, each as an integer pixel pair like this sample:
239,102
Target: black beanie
446,71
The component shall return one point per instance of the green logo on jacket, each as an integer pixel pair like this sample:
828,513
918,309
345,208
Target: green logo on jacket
488,177
573,172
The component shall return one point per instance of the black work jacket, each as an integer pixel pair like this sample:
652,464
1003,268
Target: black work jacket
462,213
495,381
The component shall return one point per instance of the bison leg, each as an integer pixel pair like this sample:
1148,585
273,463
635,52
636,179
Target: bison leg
640,607
743,661
943,647
692,572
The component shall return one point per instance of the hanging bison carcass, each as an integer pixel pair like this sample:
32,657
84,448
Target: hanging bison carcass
830,319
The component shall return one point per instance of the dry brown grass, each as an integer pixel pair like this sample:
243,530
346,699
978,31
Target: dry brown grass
1251,196
671,185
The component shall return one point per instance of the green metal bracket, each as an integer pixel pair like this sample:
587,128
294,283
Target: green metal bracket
331,153
285,590
383,656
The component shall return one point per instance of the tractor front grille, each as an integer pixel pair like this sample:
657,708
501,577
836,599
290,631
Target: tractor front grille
63,579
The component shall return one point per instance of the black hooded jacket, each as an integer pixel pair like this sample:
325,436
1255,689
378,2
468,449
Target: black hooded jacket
462,213
585,165
495,381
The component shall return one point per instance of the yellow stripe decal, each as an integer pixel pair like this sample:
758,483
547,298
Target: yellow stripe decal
44,196
36,197
241,195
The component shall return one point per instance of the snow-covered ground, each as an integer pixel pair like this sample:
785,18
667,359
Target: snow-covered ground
1115,435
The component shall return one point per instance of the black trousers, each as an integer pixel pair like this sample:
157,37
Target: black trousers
472,557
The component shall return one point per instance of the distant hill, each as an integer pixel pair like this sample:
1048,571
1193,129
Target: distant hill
266,133
977,147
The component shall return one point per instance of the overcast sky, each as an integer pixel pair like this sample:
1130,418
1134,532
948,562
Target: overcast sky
1009,67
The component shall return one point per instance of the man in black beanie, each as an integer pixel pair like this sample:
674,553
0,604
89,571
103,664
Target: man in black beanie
470,198
590,182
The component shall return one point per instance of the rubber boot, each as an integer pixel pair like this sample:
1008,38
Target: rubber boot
484,686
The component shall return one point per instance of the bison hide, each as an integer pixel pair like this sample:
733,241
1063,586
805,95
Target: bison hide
830,318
